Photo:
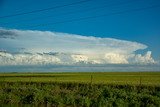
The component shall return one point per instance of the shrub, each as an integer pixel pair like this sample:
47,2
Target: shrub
78,94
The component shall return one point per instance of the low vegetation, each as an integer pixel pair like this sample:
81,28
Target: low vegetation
132,78
27,91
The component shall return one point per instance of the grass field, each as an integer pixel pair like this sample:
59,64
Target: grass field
92,89
134,78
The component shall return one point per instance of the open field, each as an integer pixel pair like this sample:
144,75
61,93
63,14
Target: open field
134,78
110,89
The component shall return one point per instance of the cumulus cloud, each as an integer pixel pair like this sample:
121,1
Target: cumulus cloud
147,58
29,47
116,58
27,59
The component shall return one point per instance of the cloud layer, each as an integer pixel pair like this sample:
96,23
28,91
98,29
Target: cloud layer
27,47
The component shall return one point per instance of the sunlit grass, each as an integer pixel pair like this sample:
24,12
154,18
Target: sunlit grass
135,78
89,89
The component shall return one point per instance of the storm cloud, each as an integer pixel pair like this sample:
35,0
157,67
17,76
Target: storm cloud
29,47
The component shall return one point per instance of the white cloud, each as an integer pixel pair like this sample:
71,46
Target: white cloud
147,58
80,58
116,58
45,41
69,49
27,59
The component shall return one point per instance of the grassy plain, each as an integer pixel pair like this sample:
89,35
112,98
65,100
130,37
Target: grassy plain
133,78
91,89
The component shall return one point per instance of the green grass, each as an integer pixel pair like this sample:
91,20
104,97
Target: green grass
90,89
134,78
53,94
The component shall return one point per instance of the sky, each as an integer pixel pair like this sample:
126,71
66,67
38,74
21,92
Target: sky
68,32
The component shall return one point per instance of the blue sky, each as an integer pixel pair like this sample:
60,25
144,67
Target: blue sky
130,20
140,26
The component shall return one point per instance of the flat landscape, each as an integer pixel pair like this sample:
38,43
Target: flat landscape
132,78
79,53
81,89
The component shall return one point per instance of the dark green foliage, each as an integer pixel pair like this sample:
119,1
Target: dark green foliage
78,94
